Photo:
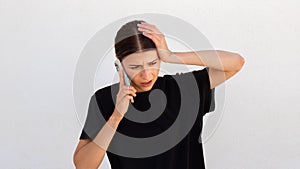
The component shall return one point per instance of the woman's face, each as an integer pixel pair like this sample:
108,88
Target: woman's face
142,68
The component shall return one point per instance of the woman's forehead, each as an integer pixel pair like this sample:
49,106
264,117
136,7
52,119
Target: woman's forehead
141,57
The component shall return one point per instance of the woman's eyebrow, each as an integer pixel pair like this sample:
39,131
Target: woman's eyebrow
148,62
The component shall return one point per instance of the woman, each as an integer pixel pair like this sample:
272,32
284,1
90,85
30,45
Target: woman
141,47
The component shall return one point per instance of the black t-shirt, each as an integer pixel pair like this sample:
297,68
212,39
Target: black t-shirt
153,113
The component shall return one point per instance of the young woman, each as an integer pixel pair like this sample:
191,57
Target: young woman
141,47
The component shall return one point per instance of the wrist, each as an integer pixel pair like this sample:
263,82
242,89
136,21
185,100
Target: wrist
116,116
165,55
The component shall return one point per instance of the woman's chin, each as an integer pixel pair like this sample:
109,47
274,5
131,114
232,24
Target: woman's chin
144,89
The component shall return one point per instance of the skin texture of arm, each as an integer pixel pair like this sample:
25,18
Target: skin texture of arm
89,154
222,64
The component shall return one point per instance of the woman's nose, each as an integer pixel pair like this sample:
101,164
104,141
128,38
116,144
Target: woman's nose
146,74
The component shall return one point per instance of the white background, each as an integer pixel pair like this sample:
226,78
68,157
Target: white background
40,42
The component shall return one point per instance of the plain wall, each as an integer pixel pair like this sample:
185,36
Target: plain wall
42,40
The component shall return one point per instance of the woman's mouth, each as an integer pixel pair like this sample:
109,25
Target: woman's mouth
146,84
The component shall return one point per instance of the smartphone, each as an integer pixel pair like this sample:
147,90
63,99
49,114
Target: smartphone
118,66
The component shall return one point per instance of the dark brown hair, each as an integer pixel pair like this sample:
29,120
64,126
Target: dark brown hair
130,40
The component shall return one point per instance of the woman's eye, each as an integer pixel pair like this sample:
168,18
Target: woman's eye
153,63
134,67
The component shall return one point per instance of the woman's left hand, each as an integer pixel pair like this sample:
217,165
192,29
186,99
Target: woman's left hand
152,32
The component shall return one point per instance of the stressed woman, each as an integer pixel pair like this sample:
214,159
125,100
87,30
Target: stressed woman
161,117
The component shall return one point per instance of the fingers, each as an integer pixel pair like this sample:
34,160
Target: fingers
148,28
146,25
145,30
151,32
130,98
129,92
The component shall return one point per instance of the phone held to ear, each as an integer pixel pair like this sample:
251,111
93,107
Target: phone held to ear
118,66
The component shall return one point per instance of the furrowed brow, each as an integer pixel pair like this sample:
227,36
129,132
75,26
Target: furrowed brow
141,65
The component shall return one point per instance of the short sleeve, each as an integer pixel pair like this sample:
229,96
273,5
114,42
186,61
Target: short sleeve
94,120
84,135
208,95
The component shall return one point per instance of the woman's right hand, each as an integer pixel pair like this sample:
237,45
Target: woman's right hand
125,94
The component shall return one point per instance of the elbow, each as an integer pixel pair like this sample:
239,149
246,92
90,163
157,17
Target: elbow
240,61
80,162
76,162
79,165
235,60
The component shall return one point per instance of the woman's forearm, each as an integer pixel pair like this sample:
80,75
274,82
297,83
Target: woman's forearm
91,155
217,59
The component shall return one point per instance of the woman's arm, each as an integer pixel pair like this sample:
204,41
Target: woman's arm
90,154
222,64
214,59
